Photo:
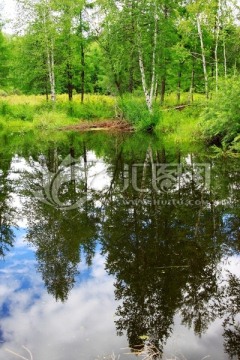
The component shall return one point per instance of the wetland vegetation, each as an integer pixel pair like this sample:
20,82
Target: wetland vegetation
170,67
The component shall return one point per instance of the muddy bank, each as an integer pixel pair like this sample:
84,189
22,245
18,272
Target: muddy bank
103,125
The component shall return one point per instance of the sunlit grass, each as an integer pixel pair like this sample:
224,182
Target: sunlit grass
23,113
23,99
63,98
50,120
171,99
179,127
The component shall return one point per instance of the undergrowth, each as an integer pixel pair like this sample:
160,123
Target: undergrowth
23,113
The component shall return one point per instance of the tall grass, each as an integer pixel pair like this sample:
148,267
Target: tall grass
134,110
22,110
94,107
25,112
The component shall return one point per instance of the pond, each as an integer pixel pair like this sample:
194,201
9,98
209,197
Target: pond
117,244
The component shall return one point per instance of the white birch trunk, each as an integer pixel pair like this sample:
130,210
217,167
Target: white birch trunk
144,83
216,56
52,74
216,45
203,54
50,57
150,91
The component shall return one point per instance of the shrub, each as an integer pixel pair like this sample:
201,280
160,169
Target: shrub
94,107
221,119
134,110
18,111
3,93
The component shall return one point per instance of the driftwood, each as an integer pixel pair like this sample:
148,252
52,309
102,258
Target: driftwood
101,125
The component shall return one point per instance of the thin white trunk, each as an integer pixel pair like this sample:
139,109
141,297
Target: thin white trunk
50,57
154,80
216,56
151,91
144,83
203,54
216,45
52,74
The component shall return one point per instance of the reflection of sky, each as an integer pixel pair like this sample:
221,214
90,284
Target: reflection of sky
81,328
184,344
99,177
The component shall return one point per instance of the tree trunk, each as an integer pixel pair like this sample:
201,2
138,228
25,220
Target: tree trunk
46,89
163,90
49,53
191,91
149,92
144,83
50,61
131,69
217,31
179,83
131,72
82,52
82,73
204,63
69,84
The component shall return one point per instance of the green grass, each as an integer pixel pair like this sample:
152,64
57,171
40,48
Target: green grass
21,113
180,127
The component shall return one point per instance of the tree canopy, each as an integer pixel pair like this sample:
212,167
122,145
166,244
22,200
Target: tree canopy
116,47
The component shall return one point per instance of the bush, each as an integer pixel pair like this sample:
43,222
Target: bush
221,119
3,93
20,111
134,110
5,108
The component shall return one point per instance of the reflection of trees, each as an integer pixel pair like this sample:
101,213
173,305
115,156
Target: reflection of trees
59,235
231,324
165,257
7,211
159,267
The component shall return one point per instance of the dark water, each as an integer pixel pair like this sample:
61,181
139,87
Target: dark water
109,242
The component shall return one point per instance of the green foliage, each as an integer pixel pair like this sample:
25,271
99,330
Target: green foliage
93,108
50,120
179,127
20,111
4,60
221,119
25,112
134,110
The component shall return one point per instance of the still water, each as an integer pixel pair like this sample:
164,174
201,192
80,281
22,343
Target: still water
108,243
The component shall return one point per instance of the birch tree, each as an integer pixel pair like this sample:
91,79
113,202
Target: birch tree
149,87
204,62
48,38
36,17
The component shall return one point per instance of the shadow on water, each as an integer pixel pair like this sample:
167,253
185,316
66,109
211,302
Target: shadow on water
166,218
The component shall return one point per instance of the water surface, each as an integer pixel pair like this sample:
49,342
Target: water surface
108,242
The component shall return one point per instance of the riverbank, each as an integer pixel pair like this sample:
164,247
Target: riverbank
21,112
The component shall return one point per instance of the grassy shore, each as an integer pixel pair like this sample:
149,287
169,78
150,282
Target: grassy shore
22,113
178,124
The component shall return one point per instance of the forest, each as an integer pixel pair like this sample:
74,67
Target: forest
142,61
